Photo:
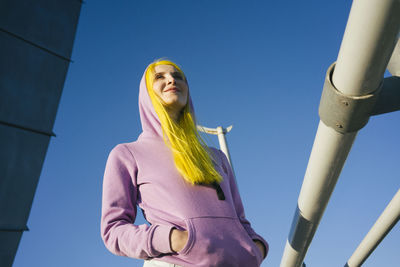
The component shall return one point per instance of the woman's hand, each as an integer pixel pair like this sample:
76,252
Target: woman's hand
260,246
178,239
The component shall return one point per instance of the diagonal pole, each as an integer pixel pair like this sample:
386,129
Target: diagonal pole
385,223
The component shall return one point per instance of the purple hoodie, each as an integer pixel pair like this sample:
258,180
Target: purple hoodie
143,173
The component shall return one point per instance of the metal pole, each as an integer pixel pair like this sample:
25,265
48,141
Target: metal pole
220,132
394,62
381,228
222,143
367,44
224,147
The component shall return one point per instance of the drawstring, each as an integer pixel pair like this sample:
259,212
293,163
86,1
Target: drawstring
218,189
220,193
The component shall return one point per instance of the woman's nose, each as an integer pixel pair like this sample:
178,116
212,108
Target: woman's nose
171,79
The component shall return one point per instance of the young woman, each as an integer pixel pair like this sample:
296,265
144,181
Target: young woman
185,189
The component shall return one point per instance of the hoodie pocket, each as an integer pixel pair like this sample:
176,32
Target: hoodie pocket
219,241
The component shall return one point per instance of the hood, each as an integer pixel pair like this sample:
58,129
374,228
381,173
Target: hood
151,124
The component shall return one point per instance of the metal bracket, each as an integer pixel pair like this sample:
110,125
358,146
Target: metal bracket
342,112
301,231
389,97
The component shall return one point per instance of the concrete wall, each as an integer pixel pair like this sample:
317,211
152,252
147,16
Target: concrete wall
36,39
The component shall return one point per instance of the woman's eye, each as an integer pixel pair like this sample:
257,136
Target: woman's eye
158,76
178,76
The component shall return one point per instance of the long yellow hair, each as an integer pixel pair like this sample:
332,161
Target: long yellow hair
191,154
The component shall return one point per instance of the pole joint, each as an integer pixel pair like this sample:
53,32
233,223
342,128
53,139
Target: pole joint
345,113
389,97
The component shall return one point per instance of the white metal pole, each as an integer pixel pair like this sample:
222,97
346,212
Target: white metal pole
220,132
222,143
367,44
394,62
224,147
381,228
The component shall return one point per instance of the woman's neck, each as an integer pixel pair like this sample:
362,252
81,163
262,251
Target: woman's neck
174,115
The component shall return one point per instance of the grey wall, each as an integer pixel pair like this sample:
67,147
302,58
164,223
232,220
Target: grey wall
36,39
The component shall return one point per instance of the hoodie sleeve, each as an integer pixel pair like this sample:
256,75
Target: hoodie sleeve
118,232
238,203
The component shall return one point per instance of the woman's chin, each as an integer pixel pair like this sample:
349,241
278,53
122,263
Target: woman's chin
174,103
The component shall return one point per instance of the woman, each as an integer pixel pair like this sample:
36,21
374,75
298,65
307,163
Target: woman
185,189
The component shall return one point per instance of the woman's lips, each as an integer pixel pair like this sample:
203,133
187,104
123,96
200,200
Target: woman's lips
172,89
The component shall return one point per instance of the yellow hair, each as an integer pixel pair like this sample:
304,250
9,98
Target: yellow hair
190,152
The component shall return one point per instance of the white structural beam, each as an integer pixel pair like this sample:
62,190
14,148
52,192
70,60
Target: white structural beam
381,228
222,141
220,132
394,62
367,45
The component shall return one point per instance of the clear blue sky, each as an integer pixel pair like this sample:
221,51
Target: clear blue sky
258,65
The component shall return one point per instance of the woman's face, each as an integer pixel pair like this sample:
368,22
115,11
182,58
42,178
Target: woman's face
171,87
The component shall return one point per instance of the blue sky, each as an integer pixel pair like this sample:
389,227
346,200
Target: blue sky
259,65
